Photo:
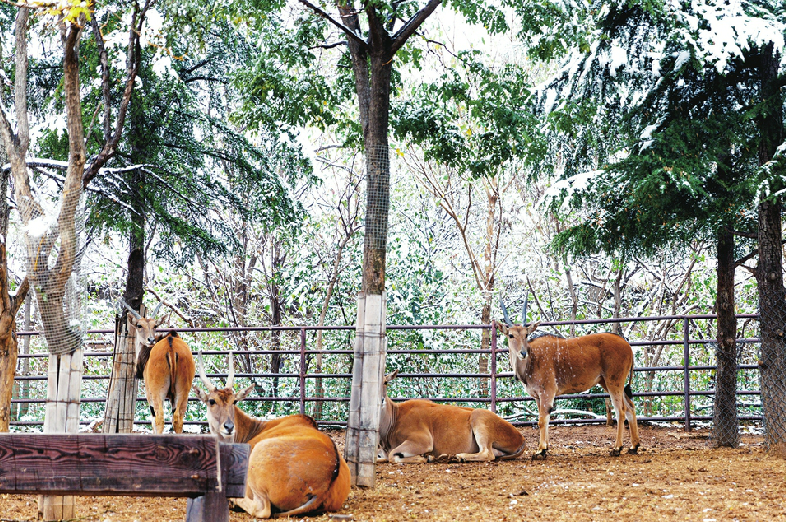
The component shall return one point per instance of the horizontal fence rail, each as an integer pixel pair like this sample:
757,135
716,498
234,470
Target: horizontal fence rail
294,388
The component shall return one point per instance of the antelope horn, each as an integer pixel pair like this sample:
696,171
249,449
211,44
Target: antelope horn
130,310
505,313
155,312
524,311
202,375
231,376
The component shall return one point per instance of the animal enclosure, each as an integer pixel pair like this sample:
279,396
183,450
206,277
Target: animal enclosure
437,362
677,476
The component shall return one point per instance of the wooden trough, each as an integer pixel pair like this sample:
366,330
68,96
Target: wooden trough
195,466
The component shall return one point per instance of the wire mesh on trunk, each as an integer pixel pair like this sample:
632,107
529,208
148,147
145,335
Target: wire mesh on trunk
772,365
377,197
725,427
59,293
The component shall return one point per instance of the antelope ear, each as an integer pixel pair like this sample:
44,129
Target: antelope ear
389,377
502,327
202,394
243,394
163,320
532,328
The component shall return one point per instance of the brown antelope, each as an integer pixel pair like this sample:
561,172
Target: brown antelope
549,366
414,428
165,363
293,468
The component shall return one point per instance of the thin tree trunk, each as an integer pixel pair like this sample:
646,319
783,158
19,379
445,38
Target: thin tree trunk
9,306
23,387
725,426
275,313
574,307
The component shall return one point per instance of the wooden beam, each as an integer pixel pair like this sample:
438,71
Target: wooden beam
111,464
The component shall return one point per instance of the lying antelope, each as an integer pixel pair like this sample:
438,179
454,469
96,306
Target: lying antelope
293,468
549,366
165,363
414,428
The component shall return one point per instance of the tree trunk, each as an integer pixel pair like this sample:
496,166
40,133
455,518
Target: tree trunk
769,273
485,344
371,341
122,392
9,306
725,426
22,388
123,383
275,313
8,355
372,64
63,340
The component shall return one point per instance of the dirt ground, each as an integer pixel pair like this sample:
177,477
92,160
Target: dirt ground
676,476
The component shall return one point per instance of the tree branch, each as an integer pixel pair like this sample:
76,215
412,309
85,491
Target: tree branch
329,46
19,298
134,57
205,78
339,25
412,25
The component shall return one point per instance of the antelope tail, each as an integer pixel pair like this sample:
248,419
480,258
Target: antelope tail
628,389
514,455
315,502
312,504
172,358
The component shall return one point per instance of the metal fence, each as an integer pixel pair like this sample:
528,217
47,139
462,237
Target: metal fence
684,379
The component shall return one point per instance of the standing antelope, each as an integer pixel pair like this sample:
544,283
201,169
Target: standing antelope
549,366
165,363
293,468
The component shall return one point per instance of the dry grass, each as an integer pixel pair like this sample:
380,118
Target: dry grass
677,476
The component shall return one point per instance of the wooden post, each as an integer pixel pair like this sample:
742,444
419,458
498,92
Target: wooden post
62,416
367,375
121,395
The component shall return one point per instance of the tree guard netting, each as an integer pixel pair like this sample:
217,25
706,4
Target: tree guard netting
53,225
377,198
51,251
772,366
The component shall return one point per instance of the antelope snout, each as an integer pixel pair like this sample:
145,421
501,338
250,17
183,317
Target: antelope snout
229,427
151,341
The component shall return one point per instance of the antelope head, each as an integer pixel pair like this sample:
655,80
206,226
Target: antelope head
220,402
387,417
516,334
145,327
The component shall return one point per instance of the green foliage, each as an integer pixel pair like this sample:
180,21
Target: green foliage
683,165
474,117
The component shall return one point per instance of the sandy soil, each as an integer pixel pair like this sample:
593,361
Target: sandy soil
677,476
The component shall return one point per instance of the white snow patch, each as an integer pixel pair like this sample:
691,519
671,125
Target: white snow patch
682,57
618,58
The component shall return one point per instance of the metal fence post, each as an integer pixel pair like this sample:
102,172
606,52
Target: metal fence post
493,368
686,366
302,371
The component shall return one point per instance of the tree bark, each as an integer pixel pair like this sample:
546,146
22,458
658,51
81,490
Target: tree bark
9,306
276,265
374,56
769,272
371,342
16,146
725,426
